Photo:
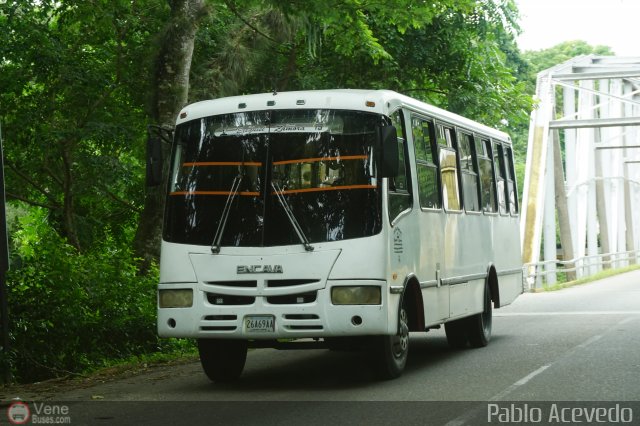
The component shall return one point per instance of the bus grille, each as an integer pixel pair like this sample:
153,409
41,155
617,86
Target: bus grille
245,292
293,299
226,299
289,283
243,283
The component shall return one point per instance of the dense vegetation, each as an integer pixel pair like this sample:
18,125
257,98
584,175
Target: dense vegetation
82,80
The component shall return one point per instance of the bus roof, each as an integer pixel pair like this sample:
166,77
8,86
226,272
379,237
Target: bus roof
377,101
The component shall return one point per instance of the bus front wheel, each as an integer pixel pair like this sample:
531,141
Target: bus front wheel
222,359
390,352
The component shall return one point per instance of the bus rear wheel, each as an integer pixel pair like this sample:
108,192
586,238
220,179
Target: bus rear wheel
479,325
390,352
456,332
476,329
222,359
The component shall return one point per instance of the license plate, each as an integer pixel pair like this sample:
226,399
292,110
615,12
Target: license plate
259,323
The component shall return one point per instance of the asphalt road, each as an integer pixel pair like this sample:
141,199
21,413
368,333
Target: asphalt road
580,344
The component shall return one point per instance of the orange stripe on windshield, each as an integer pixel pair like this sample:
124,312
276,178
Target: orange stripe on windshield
245,193
221,163
328,188
318,159
289,191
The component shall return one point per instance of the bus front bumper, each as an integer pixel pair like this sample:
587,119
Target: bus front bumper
305,315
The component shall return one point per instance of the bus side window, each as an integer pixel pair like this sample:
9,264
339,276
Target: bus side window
399,186
448,168
426,169
487,181
469,171
498,164
511,186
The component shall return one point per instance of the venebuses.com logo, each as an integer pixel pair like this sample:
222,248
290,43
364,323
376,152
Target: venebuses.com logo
20,413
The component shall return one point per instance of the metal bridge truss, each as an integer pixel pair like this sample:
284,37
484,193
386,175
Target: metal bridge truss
590,105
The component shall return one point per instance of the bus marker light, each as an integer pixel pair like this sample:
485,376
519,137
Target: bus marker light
370,104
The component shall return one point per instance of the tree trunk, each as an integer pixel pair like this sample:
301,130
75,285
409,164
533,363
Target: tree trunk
171,90
68,212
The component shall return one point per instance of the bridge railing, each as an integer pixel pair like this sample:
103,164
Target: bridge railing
539,274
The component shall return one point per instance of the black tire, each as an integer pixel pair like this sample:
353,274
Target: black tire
222,359
479,325
456,332
390,352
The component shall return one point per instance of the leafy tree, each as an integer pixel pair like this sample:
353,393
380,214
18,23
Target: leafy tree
547,58
169,90
73,114
72,119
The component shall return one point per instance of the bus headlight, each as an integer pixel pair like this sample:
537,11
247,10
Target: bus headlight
176,298
356,295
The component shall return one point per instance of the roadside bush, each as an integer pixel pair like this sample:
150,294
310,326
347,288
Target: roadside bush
72,311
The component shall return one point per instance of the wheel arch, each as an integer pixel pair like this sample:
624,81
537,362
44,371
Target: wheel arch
412,300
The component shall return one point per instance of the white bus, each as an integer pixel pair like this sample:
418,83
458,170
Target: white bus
334,218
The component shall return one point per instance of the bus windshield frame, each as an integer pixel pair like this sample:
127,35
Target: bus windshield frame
321,162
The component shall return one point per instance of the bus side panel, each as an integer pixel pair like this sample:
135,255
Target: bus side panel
508,258
510,287
473,252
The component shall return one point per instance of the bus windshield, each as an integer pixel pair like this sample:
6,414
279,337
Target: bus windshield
318,164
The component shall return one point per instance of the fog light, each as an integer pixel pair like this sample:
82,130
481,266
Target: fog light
356,295
176,298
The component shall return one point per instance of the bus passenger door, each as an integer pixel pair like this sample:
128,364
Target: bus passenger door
399,203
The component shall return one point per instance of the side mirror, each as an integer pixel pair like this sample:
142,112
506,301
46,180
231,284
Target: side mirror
154,161
389,155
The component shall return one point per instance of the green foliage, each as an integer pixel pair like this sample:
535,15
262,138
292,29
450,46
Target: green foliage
605,273
348,23
70,311
459,55
547,58
72,109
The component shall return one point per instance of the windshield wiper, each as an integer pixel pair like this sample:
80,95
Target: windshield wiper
287,209
235,185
